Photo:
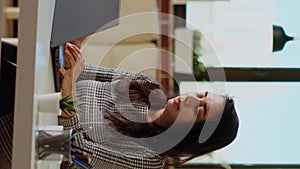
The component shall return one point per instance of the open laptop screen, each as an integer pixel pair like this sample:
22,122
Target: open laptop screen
74,19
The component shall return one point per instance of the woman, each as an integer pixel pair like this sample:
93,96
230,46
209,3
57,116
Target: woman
127,122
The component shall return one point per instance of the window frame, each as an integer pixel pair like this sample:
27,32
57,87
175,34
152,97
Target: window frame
242,74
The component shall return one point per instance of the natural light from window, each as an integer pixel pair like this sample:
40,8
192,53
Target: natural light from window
241,34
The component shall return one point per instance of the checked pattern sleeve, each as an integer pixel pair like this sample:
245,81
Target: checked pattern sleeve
94,99
6,138
103,74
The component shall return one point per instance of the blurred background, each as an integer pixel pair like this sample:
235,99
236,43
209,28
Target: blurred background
238,39
247,49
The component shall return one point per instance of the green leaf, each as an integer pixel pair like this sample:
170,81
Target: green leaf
67,105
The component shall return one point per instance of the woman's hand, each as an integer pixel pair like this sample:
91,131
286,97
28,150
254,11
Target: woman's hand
79,42
75,63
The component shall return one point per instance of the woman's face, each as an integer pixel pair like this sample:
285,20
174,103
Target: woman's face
192,107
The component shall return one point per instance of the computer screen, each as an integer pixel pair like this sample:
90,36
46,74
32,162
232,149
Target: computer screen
73,19
8,77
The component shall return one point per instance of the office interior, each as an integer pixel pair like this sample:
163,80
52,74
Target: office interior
244,48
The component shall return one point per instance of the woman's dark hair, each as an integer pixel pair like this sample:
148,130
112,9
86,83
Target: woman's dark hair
189,147
223,135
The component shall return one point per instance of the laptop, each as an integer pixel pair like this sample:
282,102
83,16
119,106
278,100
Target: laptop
74,19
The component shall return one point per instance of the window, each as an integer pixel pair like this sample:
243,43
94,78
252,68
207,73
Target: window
266,84
240,33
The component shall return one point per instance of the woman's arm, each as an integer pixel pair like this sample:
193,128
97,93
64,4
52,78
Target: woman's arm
98,73
103,156
104,74
75,63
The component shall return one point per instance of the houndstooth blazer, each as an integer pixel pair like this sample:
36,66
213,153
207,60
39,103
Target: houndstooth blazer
96,92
